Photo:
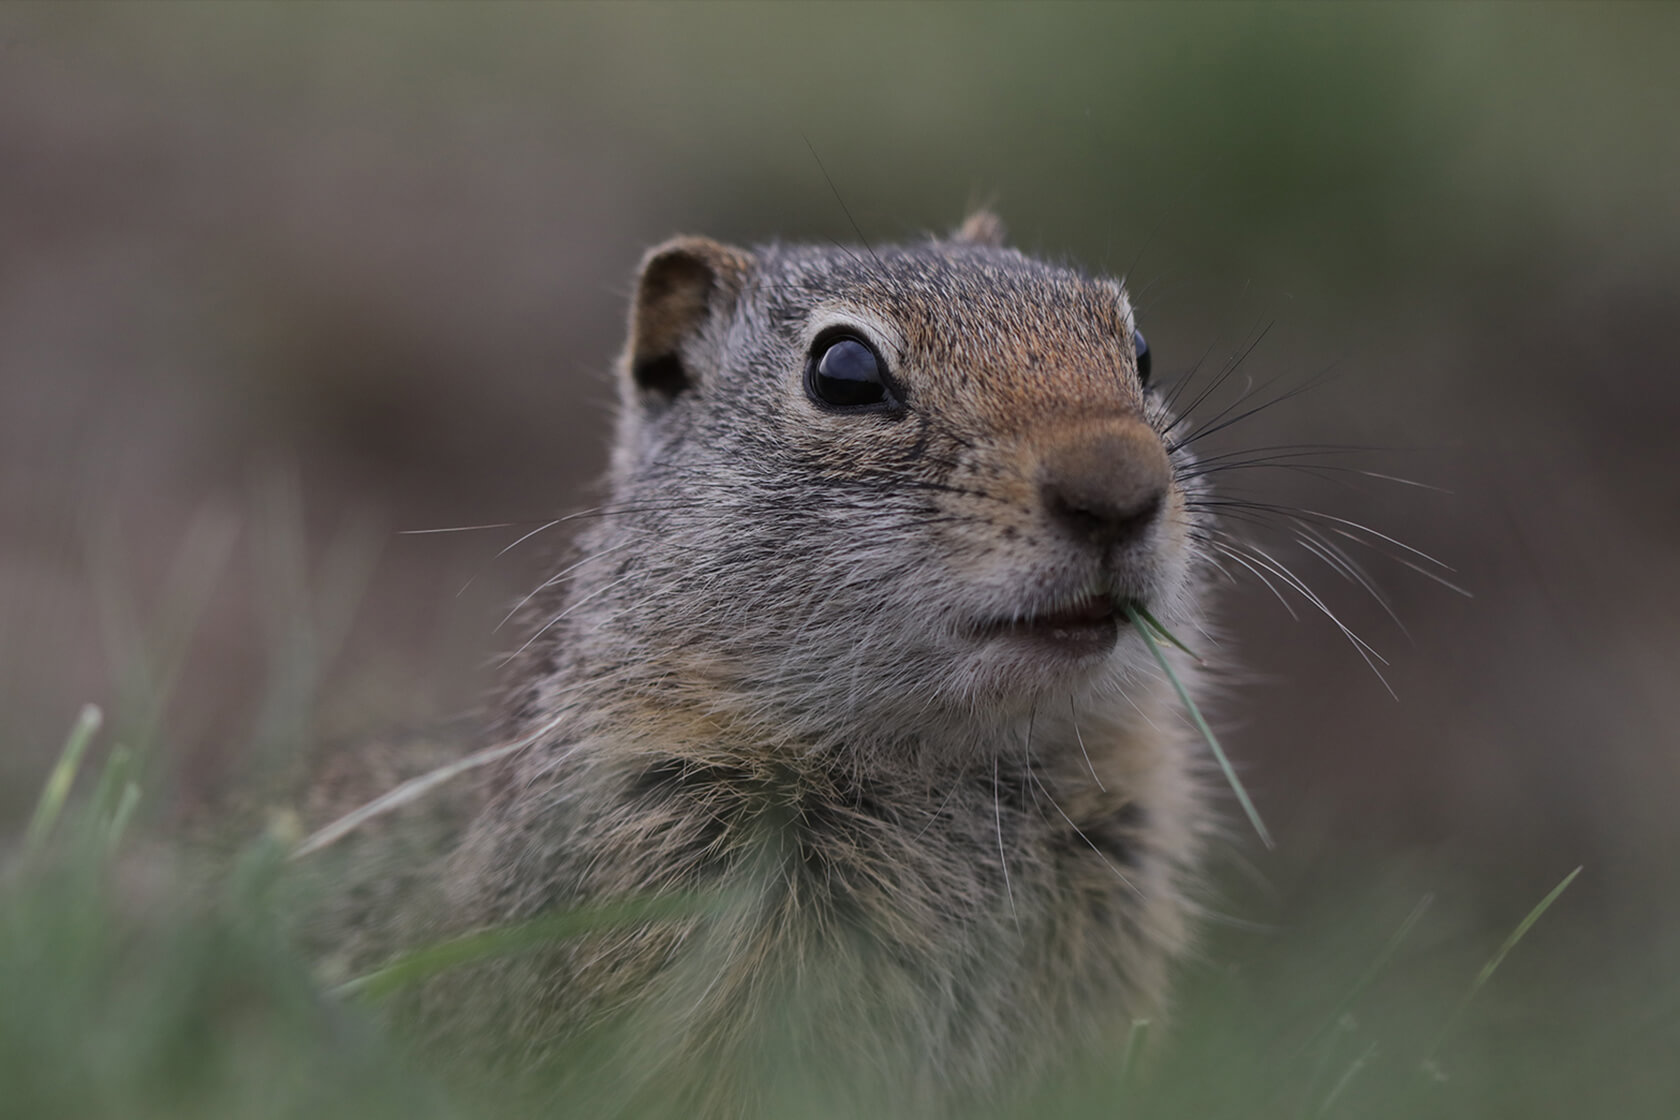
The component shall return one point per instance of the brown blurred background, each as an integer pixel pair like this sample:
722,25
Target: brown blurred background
279,281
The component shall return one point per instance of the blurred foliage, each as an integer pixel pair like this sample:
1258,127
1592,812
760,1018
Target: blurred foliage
1373,141
140,983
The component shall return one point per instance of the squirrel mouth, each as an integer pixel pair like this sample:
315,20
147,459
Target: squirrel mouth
1088,626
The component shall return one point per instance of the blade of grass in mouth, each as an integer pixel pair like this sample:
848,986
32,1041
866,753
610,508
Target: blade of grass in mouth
1146,625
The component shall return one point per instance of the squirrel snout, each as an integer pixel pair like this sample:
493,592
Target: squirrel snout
1105,485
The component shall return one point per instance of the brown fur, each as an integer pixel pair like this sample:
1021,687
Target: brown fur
934,865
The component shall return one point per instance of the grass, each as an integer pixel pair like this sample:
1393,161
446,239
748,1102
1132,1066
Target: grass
50,807
427,961
1148,628
134,989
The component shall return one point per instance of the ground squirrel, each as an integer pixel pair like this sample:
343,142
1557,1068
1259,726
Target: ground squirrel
847,648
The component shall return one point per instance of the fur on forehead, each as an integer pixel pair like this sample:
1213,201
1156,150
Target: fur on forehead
937,294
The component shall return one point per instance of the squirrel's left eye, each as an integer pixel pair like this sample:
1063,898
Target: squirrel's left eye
846,373
1140,346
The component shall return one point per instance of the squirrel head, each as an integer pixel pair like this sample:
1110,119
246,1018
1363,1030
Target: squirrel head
892,480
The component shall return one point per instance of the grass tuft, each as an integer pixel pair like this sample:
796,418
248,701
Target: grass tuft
138,987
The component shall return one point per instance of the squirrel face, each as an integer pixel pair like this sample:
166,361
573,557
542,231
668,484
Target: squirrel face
868,485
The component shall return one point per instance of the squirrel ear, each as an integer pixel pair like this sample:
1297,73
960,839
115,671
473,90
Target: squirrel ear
981,228
680,286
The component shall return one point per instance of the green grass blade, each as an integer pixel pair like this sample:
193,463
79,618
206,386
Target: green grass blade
1136,1039
117,824
1496,960
1375,968
1144,627
1165,633
1346,1079
115,797
113,780
50,806
430,960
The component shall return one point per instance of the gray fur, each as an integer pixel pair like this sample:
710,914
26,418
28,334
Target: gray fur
944,865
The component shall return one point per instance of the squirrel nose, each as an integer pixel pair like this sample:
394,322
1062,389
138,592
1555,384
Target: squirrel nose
1105,485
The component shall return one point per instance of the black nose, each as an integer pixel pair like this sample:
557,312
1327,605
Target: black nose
1105,485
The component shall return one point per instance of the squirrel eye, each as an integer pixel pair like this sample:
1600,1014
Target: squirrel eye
846,373
1140,347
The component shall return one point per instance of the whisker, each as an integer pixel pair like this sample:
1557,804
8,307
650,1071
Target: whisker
460,528
1073,715
556,578
1080,832
1364,648
1003,858
1338,562
569,609
1217,424
1231,554
1230,368
934,816
1302,515
1189,410
843,207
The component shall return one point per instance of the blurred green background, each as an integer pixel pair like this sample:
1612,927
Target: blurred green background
277,281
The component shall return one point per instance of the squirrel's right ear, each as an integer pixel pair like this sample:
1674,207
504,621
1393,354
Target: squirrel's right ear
982,227
681,286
